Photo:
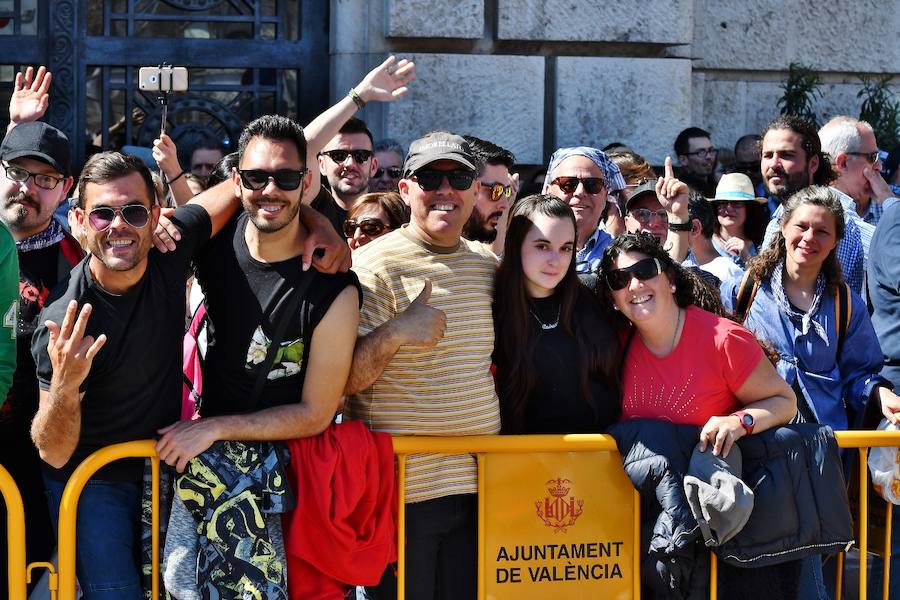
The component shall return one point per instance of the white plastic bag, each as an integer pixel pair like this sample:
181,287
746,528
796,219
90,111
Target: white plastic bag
884,466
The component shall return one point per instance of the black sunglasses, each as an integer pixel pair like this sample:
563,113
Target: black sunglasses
339,156
642,269
431,180
370,226
592,185
136,215
393,173
285,179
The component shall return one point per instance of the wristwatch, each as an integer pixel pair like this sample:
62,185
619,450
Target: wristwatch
747,421
679,226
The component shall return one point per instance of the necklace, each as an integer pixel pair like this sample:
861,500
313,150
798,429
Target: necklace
543,325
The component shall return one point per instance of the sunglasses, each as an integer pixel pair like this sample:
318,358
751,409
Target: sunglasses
392,172
429,181
370,227
870,157
497,190
645,215
643,269
339,156
285,179
592,185
723,205
136,215
20,175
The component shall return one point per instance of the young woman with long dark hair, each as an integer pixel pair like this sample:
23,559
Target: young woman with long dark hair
556,356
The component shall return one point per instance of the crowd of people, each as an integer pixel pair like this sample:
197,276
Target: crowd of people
608,292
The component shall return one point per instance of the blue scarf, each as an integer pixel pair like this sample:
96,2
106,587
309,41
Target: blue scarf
805,319
53,234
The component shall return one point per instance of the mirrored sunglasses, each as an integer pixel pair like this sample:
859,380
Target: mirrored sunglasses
136,215
497,190
370,227
643,269
285,179
592,185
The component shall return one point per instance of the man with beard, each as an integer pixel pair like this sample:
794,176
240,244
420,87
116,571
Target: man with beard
389,157
746,161
347,162
34,181
495,196
792,159
697,158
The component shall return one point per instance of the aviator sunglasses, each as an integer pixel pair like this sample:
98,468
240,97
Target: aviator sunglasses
285,179
431,180
642,269
136,215
370,226
592,185
392,172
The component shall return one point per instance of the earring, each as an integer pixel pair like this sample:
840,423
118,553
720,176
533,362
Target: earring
673,289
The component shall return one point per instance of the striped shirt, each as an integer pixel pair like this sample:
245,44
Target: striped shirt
445,390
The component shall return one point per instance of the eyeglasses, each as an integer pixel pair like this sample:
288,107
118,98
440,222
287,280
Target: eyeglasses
392,172
592,185
704,153
644,215
431,180
370,227
285,179
136,215
339,156
871,157
642,269
497,190
20,175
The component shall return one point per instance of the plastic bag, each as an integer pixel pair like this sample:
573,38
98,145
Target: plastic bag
884,466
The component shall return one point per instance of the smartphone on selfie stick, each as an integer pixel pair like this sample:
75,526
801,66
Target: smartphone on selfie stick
164,80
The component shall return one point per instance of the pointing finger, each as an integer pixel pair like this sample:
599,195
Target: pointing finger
670,172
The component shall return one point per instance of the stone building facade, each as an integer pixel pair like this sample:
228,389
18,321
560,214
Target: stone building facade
533,75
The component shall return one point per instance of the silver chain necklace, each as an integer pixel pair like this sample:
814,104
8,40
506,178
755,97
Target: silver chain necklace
543,325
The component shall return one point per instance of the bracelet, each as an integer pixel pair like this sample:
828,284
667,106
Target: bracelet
179,176
679,226
357,99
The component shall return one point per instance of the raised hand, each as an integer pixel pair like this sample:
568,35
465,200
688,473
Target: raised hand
71,352
388,81
673,193
165,153
30,97
421,324
880,191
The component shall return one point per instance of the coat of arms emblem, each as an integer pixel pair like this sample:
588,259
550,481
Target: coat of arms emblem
559,510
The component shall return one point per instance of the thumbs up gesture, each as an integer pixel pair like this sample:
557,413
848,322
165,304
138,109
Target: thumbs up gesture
673,193
421,324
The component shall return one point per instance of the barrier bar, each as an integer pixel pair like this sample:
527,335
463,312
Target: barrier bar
863,521
15,542
482,584
401,527
886,559
68,509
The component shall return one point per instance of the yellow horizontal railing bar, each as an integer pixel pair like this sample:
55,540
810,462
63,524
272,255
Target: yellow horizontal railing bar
867,439
15,528
501,444
68,509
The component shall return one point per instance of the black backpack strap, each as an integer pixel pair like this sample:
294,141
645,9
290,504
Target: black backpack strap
843,311
745,294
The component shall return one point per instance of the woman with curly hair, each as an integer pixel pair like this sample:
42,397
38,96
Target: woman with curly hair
556,355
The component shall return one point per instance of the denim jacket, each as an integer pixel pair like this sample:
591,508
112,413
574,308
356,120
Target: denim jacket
830,383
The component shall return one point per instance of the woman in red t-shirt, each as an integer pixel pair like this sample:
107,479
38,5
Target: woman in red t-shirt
684,364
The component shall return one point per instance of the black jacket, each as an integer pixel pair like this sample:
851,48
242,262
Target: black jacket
800,503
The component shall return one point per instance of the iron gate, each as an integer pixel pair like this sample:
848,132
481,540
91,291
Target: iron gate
245,58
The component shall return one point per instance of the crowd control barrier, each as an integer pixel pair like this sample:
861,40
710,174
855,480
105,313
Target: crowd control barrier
608,556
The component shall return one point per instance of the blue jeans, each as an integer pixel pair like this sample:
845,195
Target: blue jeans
812,583
107,546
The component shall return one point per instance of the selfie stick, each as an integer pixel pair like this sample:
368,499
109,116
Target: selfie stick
165,69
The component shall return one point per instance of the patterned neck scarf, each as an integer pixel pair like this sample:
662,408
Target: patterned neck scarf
806,319
53,234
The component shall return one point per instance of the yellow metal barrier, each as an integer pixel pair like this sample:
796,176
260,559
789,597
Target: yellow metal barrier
68,509
403,446
15,528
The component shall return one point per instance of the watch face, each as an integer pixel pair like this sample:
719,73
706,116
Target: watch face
747,420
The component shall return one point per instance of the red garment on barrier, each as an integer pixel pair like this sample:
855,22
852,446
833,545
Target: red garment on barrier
344,529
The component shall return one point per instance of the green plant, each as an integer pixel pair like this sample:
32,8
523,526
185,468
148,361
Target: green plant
800,90
880,110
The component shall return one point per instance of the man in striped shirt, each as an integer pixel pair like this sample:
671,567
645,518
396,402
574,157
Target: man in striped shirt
422,361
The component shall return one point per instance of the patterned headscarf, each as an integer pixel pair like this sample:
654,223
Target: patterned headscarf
611,172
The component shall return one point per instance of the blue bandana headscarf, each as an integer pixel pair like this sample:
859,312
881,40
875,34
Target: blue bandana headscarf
611,172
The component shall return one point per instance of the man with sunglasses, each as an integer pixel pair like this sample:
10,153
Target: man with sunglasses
492,203
348,163
389,158
422,362
697,158
34,181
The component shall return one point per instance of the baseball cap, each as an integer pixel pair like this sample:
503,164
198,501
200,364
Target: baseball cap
38,140
645,189
439,146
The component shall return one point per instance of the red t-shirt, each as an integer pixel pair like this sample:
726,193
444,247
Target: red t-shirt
698,379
